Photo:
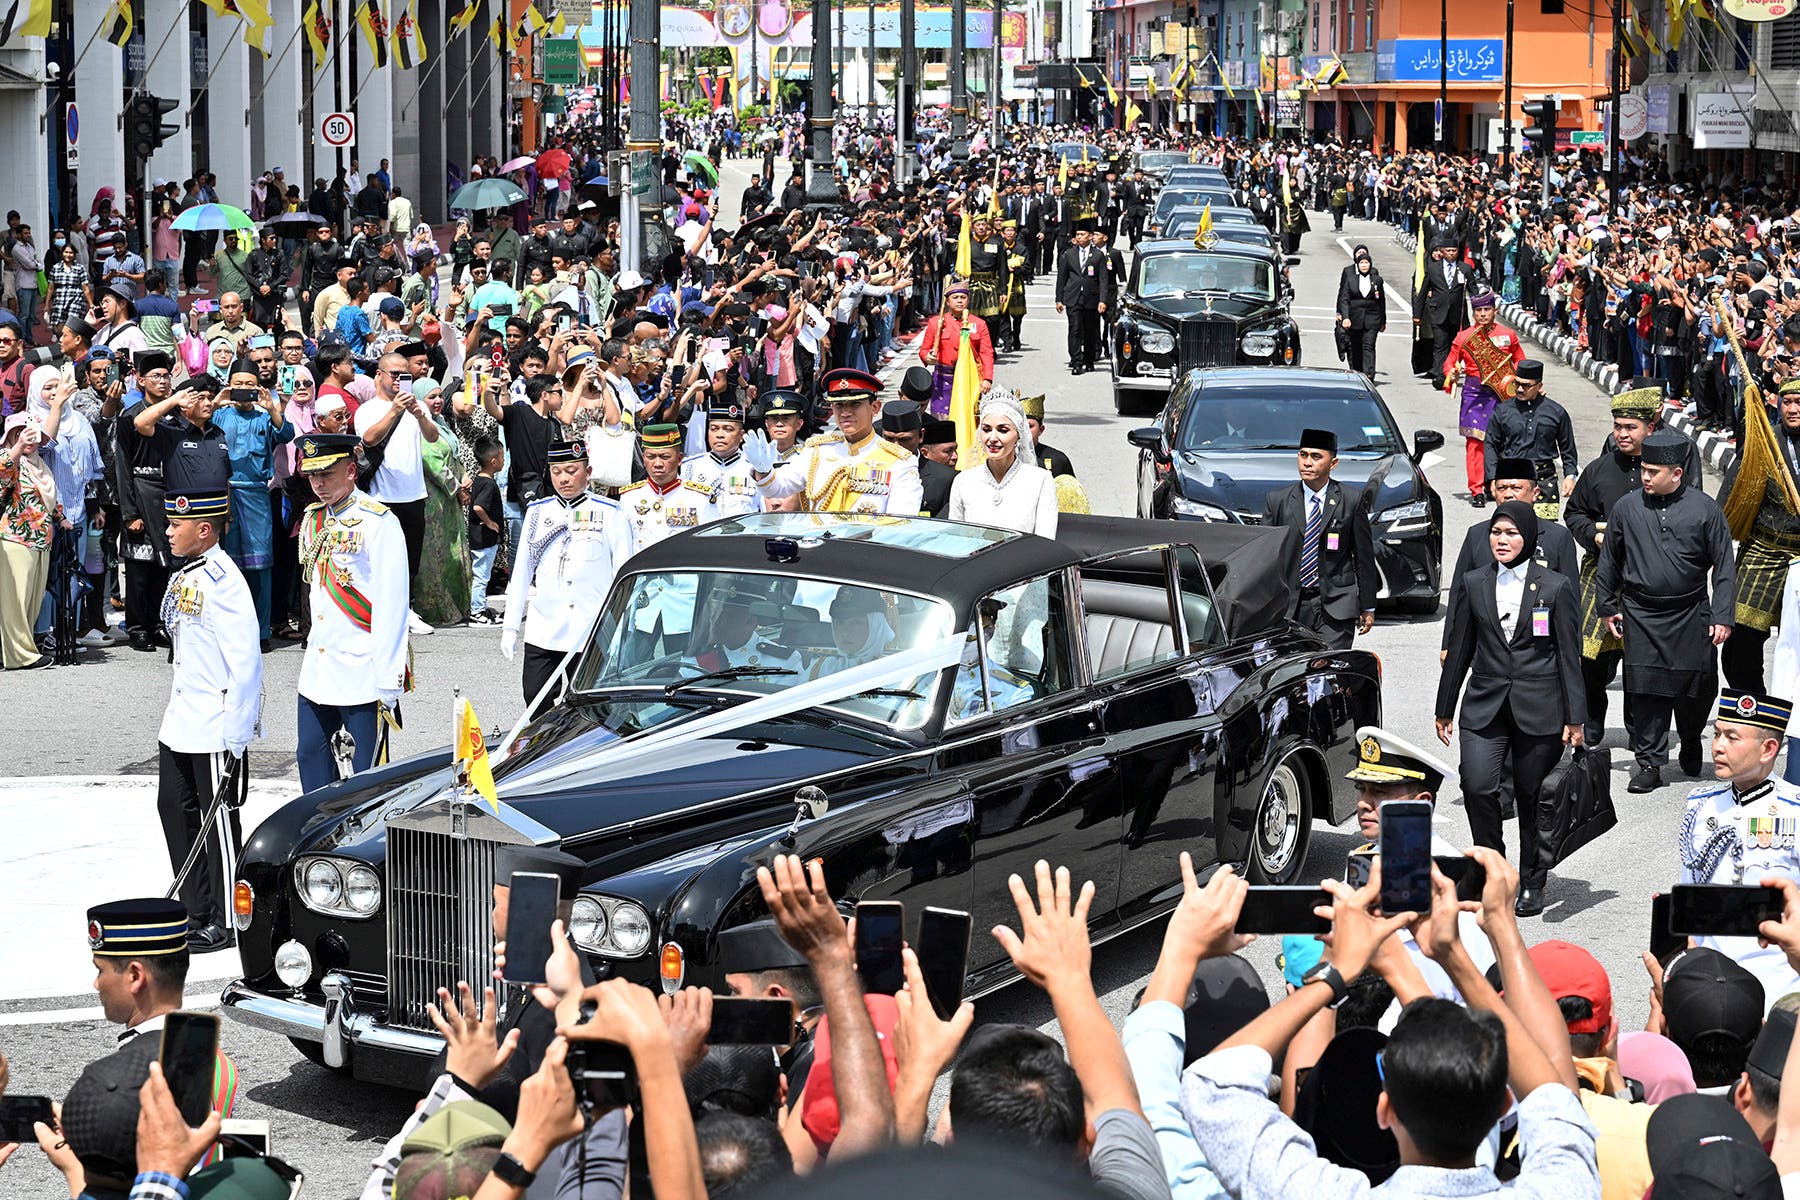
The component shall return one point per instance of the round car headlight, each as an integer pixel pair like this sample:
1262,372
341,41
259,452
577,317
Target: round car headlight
362,890
293,965
323,884
630,929
1156,341
1259,345
587,923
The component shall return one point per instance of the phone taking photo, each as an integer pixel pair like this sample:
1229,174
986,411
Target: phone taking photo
746,1021
943,954
1284,909
531,903
880,934
190,1048
1406,856
1722,909
19,1113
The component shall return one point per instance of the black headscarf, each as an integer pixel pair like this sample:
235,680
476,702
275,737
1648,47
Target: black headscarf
1524,519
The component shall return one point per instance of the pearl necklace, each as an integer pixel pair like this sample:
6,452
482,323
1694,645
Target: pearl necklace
999,485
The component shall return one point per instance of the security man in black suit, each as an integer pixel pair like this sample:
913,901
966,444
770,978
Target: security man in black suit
1053,228
1084,291
1445,301
903,423
1361,310
1337,549
1516,640
1440,225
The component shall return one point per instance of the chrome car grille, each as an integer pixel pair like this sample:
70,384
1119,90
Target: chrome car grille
1207,342
440,918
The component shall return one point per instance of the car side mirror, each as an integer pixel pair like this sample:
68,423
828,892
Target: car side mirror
1148,438
1293,260
810,803
1424,440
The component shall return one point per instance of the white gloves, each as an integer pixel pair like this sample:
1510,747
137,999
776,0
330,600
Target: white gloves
389,699
759,452
509,643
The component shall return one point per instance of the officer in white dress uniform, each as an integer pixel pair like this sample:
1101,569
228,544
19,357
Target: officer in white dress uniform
353,559
215,698
1391,768
1744,825
657,506
719,464
853,469
571,547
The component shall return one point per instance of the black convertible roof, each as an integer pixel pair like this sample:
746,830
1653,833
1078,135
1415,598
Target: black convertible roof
1249,567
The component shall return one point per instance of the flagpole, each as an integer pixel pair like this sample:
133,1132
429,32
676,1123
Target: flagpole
467,67
420,90
180,22
218,61
269,73
92,38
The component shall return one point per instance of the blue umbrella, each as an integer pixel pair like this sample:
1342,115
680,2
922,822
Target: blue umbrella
204,217
487,193
601,181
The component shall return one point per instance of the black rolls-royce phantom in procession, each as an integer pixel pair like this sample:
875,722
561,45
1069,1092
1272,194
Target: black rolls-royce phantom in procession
926,706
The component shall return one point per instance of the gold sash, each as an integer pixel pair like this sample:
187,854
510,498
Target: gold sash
1491,364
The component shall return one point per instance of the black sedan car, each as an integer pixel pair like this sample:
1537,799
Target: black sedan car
928,707
1184,307
1227,438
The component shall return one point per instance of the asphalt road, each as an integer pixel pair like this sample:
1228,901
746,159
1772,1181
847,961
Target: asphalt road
100,720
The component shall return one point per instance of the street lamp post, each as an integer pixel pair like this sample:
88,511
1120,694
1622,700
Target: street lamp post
821,189
994,82
959,84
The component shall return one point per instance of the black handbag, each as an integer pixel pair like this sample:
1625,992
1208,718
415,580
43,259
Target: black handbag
1575,805
1341,337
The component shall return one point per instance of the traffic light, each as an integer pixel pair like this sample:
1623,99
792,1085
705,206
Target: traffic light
1540,133
144,128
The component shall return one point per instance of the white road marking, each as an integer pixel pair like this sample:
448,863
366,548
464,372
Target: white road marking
196,1002
74,841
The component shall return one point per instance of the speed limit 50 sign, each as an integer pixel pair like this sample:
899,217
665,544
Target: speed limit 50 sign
337,130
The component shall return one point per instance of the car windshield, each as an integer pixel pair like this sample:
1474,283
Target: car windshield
750,634
1173,198
1270,418
1192,274
1156,160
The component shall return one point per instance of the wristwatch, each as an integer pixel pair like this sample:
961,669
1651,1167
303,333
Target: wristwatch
1327,974
511,1171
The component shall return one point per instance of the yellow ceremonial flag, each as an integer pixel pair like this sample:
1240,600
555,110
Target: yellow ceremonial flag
1112,95
472,754
559,24
1132,113
1677,10
318,33
534,19
1650,41
497,33
1287,189
1203,234
1062,174
965,396
118,24
1229,94
462,20
965,250
374,28
1419,265
1150,85
1180,73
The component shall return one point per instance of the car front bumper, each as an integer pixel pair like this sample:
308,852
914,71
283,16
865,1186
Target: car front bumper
382,1053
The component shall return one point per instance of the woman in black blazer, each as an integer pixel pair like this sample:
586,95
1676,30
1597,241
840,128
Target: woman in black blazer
1361,311
1515,638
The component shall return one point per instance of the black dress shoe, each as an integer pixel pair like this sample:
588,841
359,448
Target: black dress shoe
141,641
1645,779
1530,902
1689,760
208,938
267,646
1477,501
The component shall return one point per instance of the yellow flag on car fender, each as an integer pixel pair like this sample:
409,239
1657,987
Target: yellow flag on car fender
472,754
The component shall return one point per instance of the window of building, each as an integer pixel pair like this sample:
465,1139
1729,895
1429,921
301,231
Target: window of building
1784,43
1369,25
1551,7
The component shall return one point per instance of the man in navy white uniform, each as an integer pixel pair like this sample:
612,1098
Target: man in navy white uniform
215,697
353,559
1743,827
571,546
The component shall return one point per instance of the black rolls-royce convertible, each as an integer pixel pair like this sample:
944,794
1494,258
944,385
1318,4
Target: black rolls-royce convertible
926,706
